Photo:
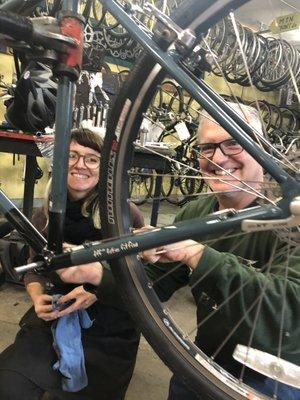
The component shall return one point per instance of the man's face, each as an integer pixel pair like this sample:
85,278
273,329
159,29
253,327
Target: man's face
242,167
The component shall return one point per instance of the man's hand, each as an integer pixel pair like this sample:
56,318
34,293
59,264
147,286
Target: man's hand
189,252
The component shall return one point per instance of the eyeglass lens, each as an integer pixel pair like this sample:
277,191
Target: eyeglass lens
90,160
228,147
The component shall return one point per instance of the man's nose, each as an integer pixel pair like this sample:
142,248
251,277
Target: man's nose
219,156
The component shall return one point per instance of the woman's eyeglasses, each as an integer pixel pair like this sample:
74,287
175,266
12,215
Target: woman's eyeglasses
229,147
91,161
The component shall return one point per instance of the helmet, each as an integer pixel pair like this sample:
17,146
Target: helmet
33,106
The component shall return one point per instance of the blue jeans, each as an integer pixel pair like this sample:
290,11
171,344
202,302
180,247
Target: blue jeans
179,391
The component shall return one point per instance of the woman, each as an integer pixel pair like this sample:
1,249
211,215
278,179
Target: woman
110,345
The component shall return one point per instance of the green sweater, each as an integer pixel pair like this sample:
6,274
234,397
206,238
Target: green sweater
226,265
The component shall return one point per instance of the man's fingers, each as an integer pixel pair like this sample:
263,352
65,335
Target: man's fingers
68,245
145,228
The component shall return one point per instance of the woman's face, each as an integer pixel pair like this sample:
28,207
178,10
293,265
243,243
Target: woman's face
82,178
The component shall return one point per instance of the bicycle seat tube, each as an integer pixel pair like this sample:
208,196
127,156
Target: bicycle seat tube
67,70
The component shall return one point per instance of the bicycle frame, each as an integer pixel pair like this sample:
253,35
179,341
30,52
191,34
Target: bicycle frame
222,222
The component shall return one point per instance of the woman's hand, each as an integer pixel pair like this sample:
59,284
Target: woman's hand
43,307
83,273
82,299
42,302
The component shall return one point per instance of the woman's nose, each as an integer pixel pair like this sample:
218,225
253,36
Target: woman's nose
81,163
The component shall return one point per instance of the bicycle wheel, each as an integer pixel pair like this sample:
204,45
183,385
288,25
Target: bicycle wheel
141,185
167,186
199,367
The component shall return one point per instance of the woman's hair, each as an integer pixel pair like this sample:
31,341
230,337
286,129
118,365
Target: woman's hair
90,206
87,138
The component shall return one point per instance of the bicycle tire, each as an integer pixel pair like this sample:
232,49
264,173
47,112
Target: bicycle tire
173,348
97,15
141,186
167,186
187,186
147,314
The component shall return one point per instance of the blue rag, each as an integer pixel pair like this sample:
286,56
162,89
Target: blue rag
66,333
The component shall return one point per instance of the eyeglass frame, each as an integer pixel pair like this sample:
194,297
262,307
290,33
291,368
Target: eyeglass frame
84,157
218,145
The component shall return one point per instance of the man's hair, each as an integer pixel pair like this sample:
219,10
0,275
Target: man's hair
249,114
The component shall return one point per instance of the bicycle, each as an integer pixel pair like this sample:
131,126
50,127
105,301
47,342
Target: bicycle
173,346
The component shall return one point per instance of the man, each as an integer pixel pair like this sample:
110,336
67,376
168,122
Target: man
218,270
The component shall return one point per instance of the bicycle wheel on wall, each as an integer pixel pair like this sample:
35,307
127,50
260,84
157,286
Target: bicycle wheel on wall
199,369
141,185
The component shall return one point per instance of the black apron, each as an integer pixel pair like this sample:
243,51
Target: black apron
110,345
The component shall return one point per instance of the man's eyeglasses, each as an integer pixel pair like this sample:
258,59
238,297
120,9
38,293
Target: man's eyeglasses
91,161
229,147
